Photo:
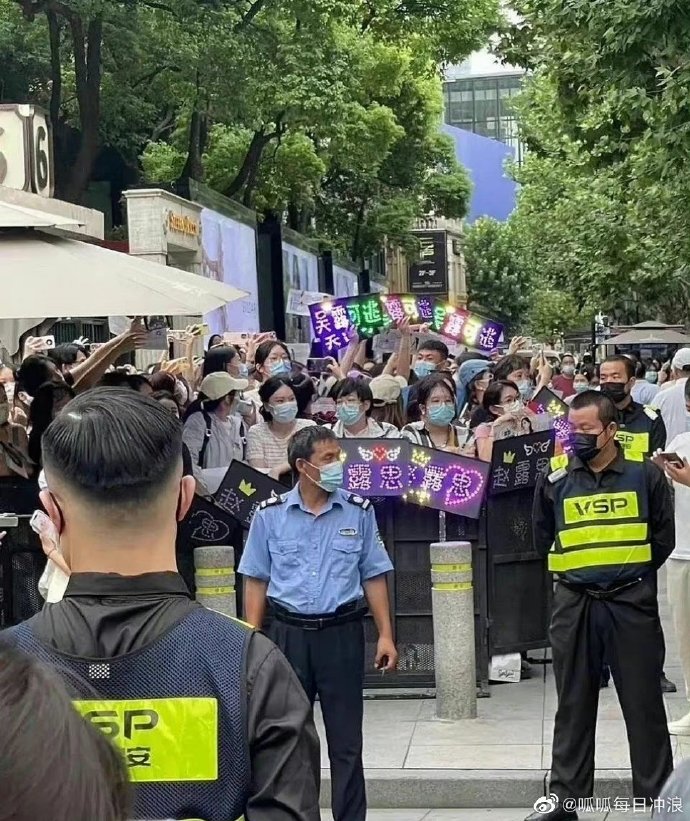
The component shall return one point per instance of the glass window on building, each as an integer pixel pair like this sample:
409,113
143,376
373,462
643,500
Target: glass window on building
483,105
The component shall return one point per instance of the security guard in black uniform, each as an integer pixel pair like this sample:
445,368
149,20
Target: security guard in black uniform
606,524
641,431
191,697
316,553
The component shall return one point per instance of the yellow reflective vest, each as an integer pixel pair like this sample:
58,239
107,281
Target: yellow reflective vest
602,535
634,434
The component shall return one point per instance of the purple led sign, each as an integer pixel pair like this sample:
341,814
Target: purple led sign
376,467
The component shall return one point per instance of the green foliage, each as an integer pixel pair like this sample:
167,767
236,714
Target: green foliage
324,111
497,281
552,313
603,207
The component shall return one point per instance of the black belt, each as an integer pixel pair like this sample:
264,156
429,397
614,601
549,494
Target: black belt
600,593
352,611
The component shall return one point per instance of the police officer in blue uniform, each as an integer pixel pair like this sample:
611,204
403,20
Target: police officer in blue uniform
192,698
316,554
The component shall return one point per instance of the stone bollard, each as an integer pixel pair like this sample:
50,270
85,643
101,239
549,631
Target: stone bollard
452,601
215,578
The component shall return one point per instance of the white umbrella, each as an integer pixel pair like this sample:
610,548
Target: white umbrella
43,275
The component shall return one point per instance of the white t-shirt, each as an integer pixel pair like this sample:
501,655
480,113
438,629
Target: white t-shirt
681,446
671,404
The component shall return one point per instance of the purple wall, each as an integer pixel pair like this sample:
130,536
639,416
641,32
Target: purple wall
493,193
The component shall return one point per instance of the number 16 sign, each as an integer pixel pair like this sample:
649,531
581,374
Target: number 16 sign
26,151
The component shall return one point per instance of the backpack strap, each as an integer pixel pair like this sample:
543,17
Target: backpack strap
207,437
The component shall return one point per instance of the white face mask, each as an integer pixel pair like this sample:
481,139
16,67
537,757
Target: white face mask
512,407
9,391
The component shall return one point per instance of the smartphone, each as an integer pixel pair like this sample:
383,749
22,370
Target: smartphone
319,365
673,458
45,343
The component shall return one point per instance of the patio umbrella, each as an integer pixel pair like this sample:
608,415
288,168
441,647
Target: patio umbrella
45,275
659,336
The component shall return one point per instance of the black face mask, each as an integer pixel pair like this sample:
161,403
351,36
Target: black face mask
585,445
615,391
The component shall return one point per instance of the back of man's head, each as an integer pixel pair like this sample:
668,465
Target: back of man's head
114,451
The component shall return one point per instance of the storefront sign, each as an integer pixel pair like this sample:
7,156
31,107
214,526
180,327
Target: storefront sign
446,481
181,224
376,467
26,150
242,490
429,273
516,463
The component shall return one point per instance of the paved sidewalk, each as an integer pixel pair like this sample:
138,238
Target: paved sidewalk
507,749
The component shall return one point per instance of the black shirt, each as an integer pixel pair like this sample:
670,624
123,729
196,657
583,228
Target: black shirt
662,528
107,615
657,429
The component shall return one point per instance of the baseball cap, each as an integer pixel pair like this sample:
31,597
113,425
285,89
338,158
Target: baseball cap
220,384
681,360
386,388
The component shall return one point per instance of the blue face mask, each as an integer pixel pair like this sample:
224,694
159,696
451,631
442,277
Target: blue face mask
441,414
244,370
652,377
330,476
423,368
525,388
280,368
283,413
349,414
580,387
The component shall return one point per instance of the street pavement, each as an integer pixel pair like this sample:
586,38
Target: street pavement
510,739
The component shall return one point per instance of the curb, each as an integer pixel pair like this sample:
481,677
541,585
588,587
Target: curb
468,789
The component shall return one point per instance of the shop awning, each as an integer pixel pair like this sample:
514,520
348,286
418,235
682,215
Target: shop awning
45,275
658,336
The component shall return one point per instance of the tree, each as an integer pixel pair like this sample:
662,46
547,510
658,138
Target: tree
496,277
551,314
602,210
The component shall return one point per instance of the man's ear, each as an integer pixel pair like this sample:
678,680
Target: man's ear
187,488
53,511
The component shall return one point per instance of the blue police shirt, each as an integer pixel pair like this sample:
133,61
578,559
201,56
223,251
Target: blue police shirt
314,564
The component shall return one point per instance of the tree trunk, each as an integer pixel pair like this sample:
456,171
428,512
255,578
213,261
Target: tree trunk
250,164
87,72
55,94
194,167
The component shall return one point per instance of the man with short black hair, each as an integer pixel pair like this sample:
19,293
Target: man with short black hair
316,553
210,716
432,355
606,524
67,356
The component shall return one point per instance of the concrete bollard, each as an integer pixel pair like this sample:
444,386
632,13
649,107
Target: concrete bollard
215,578
452,600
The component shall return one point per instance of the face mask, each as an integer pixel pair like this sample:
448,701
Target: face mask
652,377
330,476
423,368
441,414
280,368
283,413
585,445
348,414
9,391
4,414
244,370
615,391
525,388
581,387
512,407
568,370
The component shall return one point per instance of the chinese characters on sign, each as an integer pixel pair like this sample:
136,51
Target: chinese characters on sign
373,314
243,489
517,462
375,467
429,273
446,481
547,402
471,329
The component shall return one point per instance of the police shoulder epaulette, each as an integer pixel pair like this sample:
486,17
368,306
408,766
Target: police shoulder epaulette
273,500
651,413
360,501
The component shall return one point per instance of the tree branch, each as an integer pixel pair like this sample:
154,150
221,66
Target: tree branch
254,9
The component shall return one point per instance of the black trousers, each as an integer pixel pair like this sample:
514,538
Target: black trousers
330,663
627,632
